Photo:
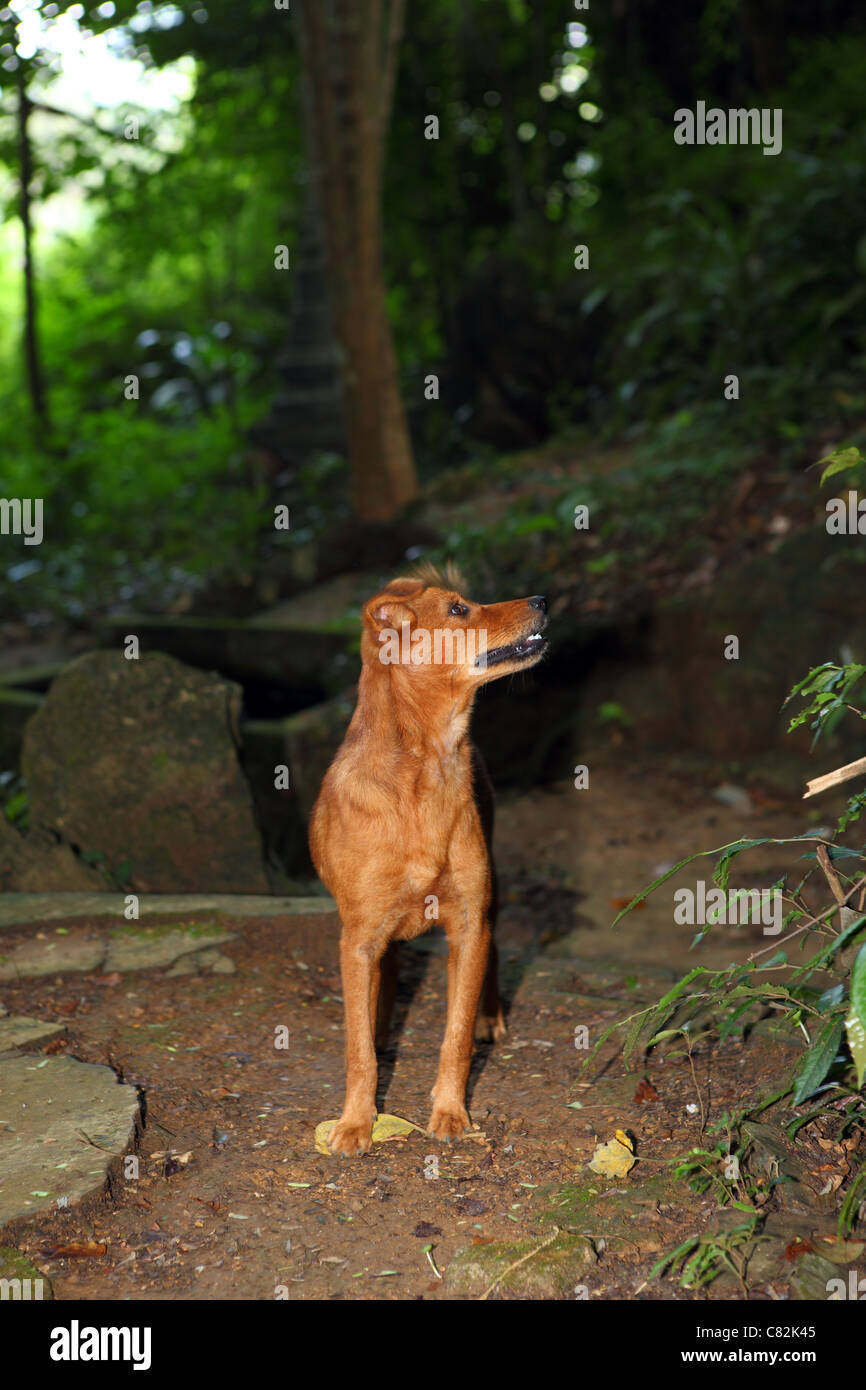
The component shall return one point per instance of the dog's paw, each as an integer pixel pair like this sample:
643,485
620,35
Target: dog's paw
448,1122
490,1027
349,1139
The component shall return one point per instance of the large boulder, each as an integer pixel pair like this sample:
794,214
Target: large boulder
137,761
38,863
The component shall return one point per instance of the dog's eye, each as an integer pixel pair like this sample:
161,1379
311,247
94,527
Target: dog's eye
458,610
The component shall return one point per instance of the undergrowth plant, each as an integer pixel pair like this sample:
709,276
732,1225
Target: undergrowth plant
811,979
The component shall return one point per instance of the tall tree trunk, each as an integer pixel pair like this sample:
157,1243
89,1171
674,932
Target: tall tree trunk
350,50
31,333
307,415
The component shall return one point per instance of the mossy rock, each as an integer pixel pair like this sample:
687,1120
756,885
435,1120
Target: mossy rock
138,761
811,1280
20,1278
551,1271
157,931
133,947
35,862
596,1206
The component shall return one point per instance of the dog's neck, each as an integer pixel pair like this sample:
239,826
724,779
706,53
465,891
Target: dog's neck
411,716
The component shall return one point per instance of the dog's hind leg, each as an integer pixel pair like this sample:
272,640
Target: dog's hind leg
490,1022
385,992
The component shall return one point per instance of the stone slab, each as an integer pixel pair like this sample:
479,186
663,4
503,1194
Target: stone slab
21,909
145,948
62,1125
79,951
19,1031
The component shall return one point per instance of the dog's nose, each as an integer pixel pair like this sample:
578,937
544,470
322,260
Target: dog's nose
538,601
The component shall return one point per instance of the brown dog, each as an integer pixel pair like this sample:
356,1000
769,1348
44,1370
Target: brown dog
400,831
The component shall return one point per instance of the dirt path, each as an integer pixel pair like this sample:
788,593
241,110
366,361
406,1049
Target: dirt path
232,1200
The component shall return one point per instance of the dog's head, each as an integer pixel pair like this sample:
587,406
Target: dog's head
425,625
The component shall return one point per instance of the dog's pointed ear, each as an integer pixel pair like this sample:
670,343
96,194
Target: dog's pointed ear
388,610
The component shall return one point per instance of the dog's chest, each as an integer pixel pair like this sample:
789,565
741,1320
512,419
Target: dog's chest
434,839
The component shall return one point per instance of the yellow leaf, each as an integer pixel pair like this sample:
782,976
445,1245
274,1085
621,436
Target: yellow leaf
323,1132
385,1128
615,1158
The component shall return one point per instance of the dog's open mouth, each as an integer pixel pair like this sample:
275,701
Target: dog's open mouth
522,650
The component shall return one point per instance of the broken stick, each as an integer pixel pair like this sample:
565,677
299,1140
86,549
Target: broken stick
832,779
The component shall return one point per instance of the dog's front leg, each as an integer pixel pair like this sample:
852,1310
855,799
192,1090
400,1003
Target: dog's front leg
359,966
468,948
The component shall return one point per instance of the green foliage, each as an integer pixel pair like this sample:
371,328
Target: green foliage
830,687
141,512
855,1023
841,460
16,808
855,1194
701,1259
722,260
702,261
725,1003
609,712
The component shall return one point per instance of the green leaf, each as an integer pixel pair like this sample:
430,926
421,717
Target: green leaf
818,1060
830,999
817,962
673,1257
728,852
855,1023
642,1029
732,1023
777,958
722,871
16,807
835,852
839,461
645,892
851,1204
681,986
665,1033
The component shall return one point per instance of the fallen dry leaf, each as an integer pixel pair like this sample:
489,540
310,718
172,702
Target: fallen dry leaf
798,1247
615,1158
646,1091
841,1252
385,1129
425,1229
78,1250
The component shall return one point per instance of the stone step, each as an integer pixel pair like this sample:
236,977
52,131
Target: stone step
36,678
64,1125
17,1032
22,909
306,742
295,658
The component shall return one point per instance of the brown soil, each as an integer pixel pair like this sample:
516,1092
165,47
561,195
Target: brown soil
254,1210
